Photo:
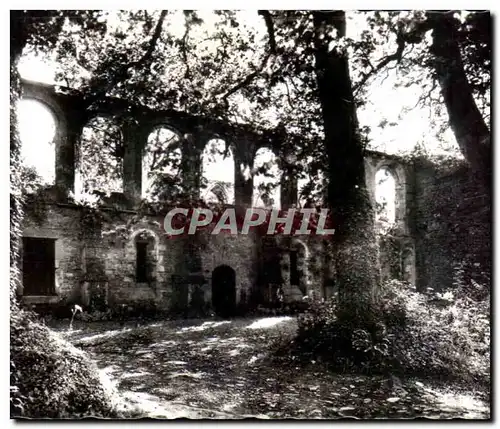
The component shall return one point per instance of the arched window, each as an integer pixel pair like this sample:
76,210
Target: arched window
145,257
385,197
37,129
218,173
266,180
100,158
161,164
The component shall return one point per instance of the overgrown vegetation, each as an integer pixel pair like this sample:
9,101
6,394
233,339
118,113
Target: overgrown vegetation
50,378
444,335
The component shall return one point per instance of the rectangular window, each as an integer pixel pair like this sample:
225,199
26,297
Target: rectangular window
294,271
141,275
39,268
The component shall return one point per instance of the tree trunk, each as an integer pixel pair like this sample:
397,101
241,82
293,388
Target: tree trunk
468,125
356,251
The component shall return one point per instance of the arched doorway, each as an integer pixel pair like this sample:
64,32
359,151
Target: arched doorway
224,290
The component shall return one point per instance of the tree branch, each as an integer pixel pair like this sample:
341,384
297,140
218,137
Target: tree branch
187,74
396,56
103,83
272,51
270,29
402,39
152,43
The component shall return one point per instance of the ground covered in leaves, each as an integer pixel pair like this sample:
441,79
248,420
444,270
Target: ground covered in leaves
225,369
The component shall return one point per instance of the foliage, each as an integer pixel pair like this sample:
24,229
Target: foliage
399,44
50,378
444,334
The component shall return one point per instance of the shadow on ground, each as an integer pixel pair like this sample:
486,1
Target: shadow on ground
221,369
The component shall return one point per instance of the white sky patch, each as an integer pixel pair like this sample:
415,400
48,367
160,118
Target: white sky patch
385,194
37,132
37,68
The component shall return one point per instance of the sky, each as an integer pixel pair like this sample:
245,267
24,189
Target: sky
385,102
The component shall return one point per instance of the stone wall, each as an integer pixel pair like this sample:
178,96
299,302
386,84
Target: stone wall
452,226
61,224
102,259
441,219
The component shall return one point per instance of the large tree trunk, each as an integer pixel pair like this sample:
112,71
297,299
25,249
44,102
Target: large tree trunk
356,251
468,125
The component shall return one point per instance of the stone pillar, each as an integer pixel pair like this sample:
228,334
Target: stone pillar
370,172
191,162
134,140
399,175
243,171
67,135
289,188
243,184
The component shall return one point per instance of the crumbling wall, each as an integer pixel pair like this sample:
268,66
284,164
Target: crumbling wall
452,225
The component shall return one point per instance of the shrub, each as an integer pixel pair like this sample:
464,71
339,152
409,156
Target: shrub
445,334
50,378
442,333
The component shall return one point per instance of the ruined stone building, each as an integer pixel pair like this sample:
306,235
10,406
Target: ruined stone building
68,259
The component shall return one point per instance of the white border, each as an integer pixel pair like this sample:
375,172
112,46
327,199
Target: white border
148,4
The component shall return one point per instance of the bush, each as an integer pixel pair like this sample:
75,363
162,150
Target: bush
50,378
445,334
442,333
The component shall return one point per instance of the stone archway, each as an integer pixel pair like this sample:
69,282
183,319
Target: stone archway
224,290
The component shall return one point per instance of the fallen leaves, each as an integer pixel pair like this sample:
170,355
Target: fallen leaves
200,368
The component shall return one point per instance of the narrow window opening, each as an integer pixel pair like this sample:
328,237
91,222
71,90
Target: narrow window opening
142,262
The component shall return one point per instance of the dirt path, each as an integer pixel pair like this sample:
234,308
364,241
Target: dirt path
220,369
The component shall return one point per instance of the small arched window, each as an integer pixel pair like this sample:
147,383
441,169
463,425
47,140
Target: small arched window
385,197
145,262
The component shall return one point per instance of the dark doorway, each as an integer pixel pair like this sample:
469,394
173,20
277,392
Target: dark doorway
38,266
224,291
